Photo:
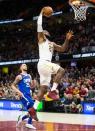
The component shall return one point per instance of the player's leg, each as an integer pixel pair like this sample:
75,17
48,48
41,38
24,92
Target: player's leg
29,124
22,117
44,80
57,78
30,108
37,101
59,71
42,92
45,77
28,103
25,117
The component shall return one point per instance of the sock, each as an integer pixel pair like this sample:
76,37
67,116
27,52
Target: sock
30,120
54,86
25,117
36,104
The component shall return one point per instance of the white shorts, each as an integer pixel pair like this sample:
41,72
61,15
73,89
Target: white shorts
46,69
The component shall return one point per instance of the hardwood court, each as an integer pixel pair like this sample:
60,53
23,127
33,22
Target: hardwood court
49,122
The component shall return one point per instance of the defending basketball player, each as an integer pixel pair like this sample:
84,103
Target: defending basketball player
45,67
24,82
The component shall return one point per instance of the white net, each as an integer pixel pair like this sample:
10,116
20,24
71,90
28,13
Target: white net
80,12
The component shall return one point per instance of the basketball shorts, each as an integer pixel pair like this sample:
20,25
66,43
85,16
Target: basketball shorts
46,69
27,102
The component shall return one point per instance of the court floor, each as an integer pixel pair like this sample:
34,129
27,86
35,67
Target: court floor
49,122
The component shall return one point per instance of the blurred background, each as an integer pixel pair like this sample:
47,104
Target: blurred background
18,44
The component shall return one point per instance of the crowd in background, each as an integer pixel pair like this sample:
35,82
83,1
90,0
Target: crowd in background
20,44
72,84
77,85
17,48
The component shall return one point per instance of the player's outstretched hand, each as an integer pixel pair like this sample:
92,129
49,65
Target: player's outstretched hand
69,35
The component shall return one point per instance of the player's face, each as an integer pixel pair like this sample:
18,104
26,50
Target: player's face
23,67
46,33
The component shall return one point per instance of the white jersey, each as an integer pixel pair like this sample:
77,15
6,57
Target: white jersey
46,50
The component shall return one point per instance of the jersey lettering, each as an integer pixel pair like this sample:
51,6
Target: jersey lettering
27,82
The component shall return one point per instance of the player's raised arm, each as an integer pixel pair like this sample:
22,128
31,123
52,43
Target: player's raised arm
64,47
47,12
41,36
14,85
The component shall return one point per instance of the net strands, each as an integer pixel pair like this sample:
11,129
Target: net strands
80,12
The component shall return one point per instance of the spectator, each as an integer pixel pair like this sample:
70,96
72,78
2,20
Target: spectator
76,106
68,103
76,91
83,92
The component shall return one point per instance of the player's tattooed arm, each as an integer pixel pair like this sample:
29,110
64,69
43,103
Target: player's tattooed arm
14,85
64,47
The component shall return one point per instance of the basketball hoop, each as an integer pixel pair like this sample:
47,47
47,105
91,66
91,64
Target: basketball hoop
80,12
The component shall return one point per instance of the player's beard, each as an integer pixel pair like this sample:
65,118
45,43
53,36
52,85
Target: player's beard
25,70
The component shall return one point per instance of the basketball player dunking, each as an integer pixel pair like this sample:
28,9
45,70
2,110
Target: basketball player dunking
45,67
24,82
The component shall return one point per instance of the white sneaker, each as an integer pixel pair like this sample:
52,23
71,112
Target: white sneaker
19,121
30,126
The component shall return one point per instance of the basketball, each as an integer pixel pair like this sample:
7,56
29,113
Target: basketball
48,11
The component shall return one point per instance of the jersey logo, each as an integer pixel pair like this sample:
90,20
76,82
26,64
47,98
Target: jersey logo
27,82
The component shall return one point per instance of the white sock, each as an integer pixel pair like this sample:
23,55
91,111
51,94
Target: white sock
54,86
36,104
